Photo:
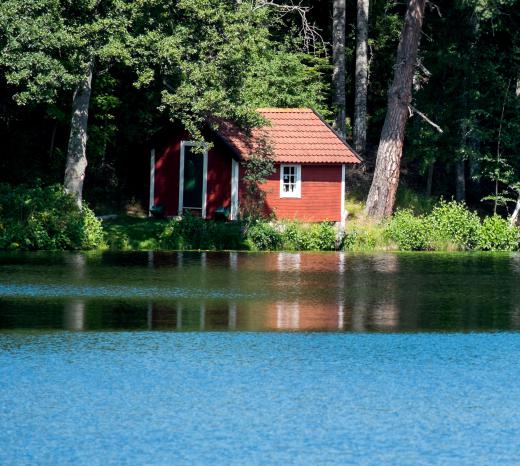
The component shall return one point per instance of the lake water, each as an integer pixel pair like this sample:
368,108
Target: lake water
275,358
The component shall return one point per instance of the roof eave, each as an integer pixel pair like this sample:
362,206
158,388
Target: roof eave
237,155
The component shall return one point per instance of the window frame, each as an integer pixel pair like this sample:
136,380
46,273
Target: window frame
297,193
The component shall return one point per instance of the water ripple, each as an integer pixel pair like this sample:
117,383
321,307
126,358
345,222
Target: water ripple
67,291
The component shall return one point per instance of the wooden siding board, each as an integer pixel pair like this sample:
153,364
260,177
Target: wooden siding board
320,195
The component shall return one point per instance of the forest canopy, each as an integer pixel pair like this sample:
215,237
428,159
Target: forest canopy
130,68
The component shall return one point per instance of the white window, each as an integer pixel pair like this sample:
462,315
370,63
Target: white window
290,181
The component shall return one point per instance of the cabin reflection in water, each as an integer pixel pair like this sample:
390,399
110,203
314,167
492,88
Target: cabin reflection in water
232,316
328,308
275,291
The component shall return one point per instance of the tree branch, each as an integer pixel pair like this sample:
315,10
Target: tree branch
412,109
310,34
433,6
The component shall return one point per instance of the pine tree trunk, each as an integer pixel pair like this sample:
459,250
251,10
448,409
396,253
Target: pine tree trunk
338,73
460,186
381,197
360,106
76,153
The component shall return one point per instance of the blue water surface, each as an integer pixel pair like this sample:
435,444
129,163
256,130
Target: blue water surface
259,398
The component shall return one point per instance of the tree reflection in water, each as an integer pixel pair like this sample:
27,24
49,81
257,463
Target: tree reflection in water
261,292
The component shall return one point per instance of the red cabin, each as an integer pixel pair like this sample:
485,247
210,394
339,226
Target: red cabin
308,184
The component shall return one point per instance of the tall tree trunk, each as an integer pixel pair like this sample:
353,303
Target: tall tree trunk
338,73
360,106
76,153
514,218
460,178
381,197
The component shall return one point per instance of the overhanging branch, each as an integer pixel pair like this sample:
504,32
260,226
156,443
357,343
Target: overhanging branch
425,118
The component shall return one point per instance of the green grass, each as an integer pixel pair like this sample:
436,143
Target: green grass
126,233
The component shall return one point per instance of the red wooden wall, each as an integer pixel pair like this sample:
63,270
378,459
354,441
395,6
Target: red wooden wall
320,195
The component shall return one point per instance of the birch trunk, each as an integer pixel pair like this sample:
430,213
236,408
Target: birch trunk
76,154
381,197
514,218
338,58
360,106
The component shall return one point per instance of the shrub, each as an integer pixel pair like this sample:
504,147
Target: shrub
322,237
409,232
292,236
45,218
451,224
308,237
264,237
192,232
363,236
90,229
496,234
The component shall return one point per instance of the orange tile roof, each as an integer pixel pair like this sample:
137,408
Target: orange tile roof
297,135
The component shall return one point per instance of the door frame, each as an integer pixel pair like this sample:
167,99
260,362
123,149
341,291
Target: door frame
185,144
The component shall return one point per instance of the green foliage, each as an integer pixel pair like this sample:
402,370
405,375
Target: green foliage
194,233
417,202
46,45
284,77
496,234
309,237
220,59
364,237
263,236
453,225
133,233
45,218
409,232
292,236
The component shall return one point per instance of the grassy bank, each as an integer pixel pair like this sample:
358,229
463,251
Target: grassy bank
127,233
449,226
48,219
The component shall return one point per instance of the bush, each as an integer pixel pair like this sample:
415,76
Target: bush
362,236
45,218
496,234
264,237
192,232
308,237
292,236
452,225
322,237
409,232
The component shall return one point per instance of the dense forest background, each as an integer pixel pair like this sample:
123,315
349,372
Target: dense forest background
158,61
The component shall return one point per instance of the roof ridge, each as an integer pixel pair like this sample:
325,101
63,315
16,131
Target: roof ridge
284,109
